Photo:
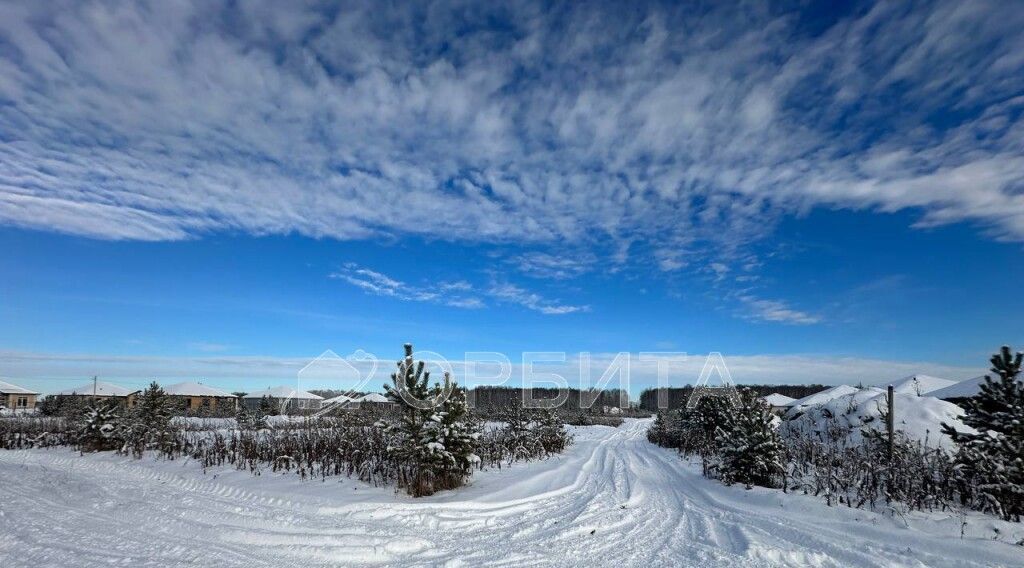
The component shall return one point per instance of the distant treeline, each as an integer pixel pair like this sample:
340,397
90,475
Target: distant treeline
678,396
485,397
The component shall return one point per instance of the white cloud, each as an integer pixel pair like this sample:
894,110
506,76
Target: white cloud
531,300
649,128
719,269
563,265
456,294
776,311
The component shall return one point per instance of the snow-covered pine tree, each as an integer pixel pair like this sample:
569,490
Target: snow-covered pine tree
750,450
148,424
450,436
991,461
695,430
251,418
656,433
100,428
551,431
410,391
519,439
676,427
154,407
61,405
269,406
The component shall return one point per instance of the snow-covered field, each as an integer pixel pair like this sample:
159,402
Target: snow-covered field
612,500
919,418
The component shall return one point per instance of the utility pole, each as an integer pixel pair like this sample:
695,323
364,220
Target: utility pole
890,420
94,381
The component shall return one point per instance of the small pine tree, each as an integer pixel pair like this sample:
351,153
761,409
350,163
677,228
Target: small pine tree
750,450
148,424
519,439
676,429
410,391
154,408
695,431
551,431
100,428
269,406
991,461
656,434
450,437
62,405
251,418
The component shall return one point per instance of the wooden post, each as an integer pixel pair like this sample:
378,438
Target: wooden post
890,421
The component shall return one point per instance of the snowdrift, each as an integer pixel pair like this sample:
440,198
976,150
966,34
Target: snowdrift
920,418
776,399
919,384
963,389
818,398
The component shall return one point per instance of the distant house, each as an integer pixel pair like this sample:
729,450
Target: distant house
374,400
103,391
292,400
338,402
195,396
371,400
16,399
779,402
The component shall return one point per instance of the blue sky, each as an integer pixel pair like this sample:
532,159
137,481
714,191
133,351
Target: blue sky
224,191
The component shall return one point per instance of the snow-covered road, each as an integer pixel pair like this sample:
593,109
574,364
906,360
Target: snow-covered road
612,500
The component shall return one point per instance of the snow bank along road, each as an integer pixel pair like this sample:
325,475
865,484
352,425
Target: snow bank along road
612,500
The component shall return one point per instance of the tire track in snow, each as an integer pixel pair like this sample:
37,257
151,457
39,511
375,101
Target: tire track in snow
612,500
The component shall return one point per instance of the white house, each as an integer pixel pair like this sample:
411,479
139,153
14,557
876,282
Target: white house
375,397
290,399
371,400
340,401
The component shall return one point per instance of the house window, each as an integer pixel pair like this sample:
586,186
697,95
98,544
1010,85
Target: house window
22,402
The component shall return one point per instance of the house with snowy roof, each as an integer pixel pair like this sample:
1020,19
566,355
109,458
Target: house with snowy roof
101,391
16,399
195,396
289,399
375,400
340,402
371,400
